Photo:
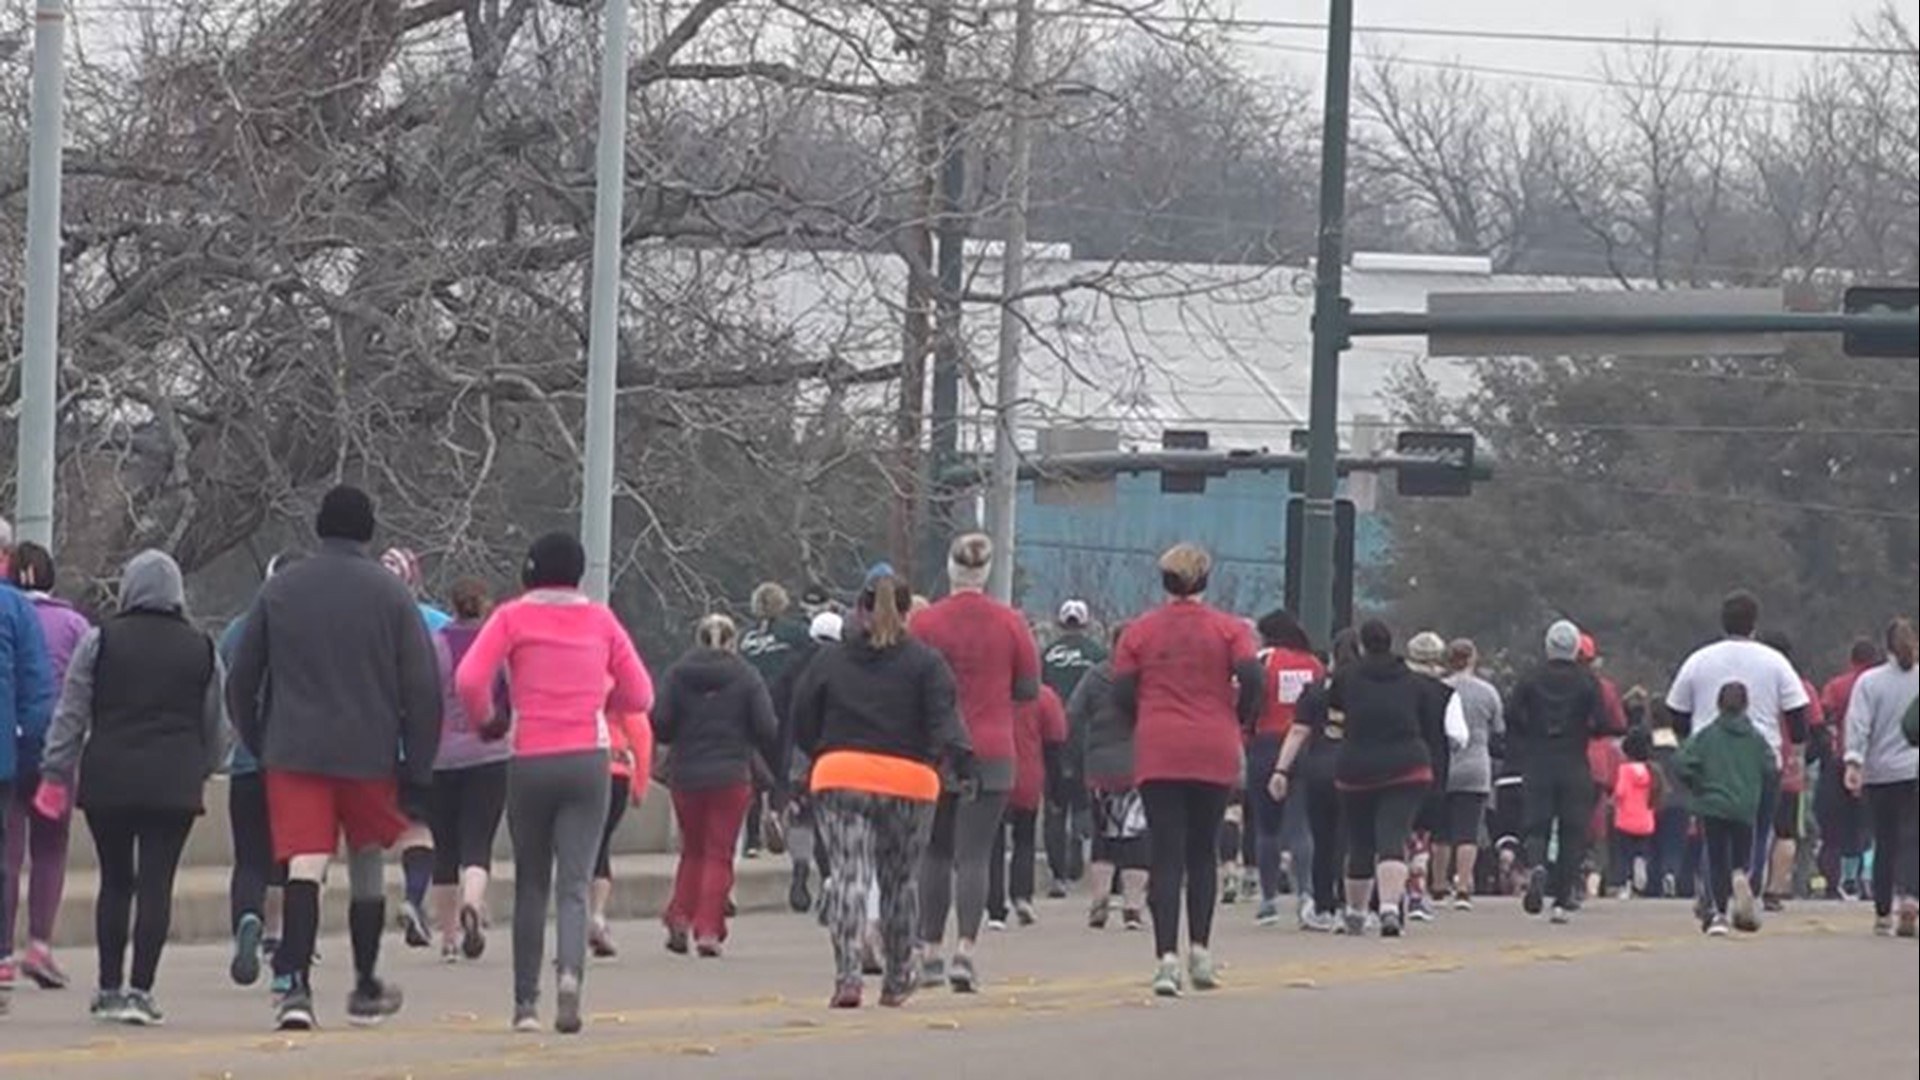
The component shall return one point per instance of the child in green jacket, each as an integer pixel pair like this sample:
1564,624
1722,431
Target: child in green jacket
1725,767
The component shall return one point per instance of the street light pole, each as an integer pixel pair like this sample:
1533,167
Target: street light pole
40,355
1003,499
1329,338
603,342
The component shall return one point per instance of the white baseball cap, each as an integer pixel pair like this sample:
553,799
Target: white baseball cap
1075,613
826,626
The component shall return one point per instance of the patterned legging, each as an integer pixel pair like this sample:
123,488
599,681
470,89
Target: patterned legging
872,838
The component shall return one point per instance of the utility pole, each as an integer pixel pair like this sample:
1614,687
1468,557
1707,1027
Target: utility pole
603,341
1003,498
40,356
1329,339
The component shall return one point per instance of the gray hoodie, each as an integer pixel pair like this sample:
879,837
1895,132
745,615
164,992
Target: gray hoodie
150,582
1470,769
1881,697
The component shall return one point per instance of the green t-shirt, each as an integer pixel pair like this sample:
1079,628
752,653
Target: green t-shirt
1068,659
770,647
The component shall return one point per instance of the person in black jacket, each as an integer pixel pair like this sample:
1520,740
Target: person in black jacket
879,716
713,713
141,722
1550,717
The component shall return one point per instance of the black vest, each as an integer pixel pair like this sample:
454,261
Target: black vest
148,746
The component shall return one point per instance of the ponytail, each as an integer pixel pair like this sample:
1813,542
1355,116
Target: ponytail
886,602
1903,644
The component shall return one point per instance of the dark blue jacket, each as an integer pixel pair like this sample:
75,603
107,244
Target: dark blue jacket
26,686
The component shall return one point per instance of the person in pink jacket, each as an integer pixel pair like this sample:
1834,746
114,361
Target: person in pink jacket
569,664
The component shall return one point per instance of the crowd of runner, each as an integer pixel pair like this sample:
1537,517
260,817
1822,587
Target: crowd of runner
918,762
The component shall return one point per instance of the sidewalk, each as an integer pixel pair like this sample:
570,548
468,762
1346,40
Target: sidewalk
642,884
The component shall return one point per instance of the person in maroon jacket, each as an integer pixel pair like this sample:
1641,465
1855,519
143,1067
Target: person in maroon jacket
1039,727
995,666
1842,819
1191,678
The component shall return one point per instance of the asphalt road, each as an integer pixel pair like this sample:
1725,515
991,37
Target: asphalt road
1629,990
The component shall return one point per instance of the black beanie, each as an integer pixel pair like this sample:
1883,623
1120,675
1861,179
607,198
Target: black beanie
555,561
346,513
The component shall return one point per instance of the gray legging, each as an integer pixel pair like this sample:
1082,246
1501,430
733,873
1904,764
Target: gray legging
961,847
556,806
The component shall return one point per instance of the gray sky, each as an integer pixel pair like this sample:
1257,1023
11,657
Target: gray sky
1826,21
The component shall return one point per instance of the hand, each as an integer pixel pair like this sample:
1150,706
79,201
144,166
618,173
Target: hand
52,800
1277,787
637,790
496,727
1855,779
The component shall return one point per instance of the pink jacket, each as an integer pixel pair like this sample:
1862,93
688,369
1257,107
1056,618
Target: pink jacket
568,661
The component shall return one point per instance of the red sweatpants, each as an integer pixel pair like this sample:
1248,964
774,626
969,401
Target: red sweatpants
710,821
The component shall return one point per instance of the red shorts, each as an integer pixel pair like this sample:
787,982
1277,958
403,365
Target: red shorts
309,813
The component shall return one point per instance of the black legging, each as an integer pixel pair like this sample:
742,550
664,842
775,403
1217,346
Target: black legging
464,813
1016,884
1183,821
139,851
1378,824
1895,809
1329,843
617,796
254,868
1728,846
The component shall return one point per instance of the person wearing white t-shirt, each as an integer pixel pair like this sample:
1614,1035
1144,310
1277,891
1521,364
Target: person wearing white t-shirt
1777,699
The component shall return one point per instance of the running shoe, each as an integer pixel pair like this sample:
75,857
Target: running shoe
1640,876
677,941
1561,915
139,1009
893,997
1097,914
799,896
372,1002
1883,926
296,1010
1745,918
1315,921
1354,923
413,924
473,936
109,1006
1535,898
526,1018
9,973
566,1004
1024,913
1132,919
245,968
846,994
996,922
38,966
1772,905
1419,909
1669,885
1201,971
1166,977
1057,890
600,941
707,949
1908,923
1268,913
279,987
1390,922
1462,902
1717,926
870,952
1230,887
449,952
933,972
961,975
730,908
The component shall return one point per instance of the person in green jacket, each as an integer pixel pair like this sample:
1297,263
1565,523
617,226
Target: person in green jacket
1724,768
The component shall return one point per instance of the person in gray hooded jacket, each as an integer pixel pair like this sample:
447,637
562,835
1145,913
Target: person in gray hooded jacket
142,724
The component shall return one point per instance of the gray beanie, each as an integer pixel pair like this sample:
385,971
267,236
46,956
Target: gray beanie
1563,641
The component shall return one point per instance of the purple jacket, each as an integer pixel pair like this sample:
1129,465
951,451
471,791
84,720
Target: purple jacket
460,744
63,627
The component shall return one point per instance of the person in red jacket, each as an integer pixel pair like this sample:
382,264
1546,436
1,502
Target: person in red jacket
1793,786
1190,677
1843,837
1038,725
995,666
1289,667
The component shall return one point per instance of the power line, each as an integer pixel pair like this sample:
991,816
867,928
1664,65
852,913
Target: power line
1542,429
1710,496
1222,22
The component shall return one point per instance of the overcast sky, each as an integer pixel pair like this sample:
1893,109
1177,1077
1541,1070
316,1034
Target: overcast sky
1818,21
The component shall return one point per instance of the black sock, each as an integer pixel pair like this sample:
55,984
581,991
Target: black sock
416,865
299,926
365,921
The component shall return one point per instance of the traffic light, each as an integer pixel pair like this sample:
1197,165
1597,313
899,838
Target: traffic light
1184,481
1882,300
1443,465
1344,520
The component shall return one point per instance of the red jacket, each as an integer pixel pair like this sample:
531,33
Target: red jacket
1289,673
1833,701
990,650
1187,724
1036,725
